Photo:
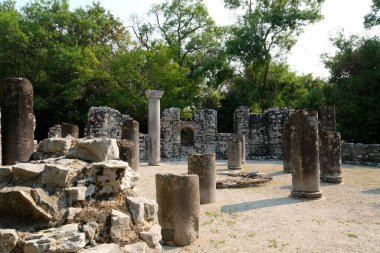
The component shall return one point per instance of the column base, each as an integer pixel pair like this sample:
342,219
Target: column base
306,195
234,168
288,171
154,164
333,180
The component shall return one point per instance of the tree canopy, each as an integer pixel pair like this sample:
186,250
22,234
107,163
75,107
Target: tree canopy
83,57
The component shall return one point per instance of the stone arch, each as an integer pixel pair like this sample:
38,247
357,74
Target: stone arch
187,136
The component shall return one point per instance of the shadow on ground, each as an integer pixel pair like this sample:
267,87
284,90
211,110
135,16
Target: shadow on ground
372,191
247,206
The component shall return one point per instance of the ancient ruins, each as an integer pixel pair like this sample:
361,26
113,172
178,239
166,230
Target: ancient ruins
71,194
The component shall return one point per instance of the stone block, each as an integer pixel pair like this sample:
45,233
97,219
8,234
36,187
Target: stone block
138,247
142,209
8,240
27,171
53,147
18,202
71,212
103,248
67,238
95,150
152,236
56,175
76,193
119,225
108,178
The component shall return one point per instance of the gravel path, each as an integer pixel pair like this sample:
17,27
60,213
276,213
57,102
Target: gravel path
266,219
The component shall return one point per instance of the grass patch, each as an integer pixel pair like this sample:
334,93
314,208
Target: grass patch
273,244
230,222
251,234
319,221
208,222
217,243
212,214
232,235
352,235
234,215
215,231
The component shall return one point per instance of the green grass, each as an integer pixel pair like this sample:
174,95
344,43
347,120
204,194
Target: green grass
212,214
217,243
273,244
352,235
251,234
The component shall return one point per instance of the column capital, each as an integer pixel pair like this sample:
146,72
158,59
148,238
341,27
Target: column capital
154,93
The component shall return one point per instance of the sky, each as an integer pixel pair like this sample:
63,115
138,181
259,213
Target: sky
304,58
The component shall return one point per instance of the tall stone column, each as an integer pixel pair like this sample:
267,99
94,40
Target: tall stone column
130,132
203,165
179,204
241,138
234,151
17,120
305,154
70,129
154,127
330,157
286,148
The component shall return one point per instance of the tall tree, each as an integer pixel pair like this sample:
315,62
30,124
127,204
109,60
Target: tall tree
373,18
264,33
355,87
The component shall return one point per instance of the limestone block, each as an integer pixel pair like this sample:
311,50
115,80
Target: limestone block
56,175
119,225
76,193
103,248
142,209
67,238
96,150
109,178
8,240
27,171
138,247
18,202
90,230
45,201
52,147
71,212
152,237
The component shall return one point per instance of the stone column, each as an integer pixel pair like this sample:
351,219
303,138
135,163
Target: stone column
17,121
305,154
286,148
154,127
130,132
327,118
234,151
241,138
69,129
203,165
330,156
179,203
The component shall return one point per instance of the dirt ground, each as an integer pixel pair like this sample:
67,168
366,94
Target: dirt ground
266,219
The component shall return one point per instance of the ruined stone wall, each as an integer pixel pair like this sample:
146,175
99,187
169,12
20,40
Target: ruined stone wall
263,131
361,154
105,122
55,131
205,138
221,145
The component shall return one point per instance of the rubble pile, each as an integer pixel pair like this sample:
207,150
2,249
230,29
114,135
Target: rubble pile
77,196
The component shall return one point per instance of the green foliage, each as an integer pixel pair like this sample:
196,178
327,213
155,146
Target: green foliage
355,87
373,18
265,32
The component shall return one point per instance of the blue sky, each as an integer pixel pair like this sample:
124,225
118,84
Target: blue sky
304,57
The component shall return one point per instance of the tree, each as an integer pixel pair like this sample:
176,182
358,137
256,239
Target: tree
355,88
66,55
373,19
189,36
264,33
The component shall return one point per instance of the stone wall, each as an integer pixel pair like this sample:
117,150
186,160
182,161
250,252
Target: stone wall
361,154
104,121
55,131
263,131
